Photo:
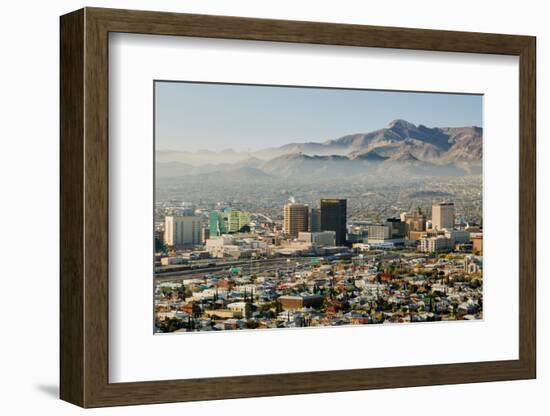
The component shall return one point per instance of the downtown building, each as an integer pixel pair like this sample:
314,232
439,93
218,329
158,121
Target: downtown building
238,221
443,216
296,219
415,220
477,243
235,246
182,230
218,223
314,220
334,218
436,244
228,221
388,235
318,239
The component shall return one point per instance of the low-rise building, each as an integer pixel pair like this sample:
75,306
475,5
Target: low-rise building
473,264
458,236
319,239
392,231
477,243
300,301
417,235
435,244
234,245
168,261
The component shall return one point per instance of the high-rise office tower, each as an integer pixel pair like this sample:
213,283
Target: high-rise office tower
334,218
296,219
314,220
182,230
443,216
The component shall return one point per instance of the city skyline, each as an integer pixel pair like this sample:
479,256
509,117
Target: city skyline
208,116
268,274
384,226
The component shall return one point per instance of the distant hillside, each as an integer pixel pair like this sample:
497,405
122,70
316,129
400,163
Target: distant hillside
400,149
438,144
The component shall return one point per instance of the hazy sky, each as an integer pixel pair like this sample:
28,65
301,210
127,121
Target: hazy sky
191,116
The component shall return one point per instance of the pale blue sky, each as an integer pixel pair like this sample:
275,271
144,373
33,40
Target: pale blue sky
191,116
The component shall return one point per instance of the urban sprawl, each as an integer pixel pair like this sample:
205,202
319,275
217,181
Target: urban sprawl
225,268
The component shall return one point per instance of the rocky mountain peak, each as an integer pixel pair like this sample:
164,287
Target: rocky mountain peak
400,124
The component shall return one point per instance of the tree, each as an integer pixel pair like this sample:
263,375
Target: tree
248,310
245,229
196,310
181,292
475,283
160,247
264,307
170,324
252,324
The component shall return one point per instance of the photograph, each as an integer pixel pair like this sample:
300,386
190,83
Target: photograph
294,207
267,208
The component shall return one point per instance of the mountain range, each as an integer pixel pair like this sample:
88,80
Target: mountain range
401,148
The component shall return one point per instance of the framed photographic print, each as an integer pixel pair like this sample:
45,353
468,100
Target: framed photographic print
255,207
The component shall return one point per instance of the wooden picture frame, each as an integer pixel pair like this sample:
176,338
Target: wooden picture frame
84,207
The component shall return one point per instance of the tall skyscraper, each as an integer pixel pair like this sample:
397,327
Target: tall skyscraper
314,220
182,230
443,216
334,218
296,219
